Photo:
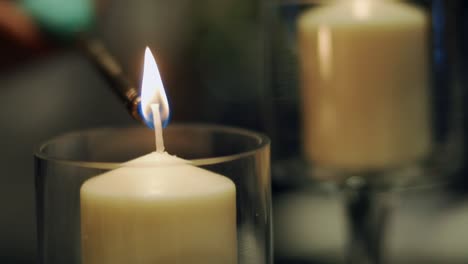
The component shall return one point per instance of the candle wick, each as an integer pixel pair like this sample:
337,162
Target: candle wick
158,132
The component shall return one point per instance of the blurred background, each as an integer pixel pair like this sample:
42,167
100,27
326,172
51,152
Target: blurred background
218,60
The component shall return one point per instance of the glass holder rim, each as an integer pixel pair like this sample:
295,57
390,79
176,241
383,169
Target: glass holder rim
262,142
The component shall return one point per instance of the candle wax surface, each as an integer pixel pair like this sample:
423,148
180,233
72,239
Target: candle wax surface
365,84
158,209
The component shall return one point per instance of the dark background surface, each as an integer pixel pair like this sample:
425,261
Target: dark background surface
43,100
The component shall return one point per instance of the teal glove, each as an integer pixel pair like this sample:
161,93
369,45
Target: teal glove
62,18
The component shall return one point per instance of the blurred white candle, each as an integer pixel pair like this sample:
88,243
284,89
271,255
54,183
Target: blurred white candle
365,84
158,209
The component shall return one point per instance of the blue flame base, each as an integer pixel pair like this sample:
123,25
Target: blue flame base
149,121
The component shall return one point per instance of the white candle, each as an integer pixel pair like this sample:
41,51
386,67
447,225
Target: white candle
365,84
158,209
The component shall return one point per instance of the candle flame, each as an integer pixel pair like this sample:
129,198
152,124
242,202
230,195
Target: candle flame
152,92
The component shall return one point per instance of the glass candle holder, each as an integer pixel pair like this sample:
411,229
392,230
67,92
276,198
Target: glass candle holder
212,207
367,96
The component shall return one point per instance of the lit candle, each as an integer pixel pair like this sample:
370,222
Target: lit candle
158,208
365,84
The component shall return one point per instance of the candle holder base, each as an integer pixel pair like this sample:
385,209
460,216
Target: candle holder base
369,198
